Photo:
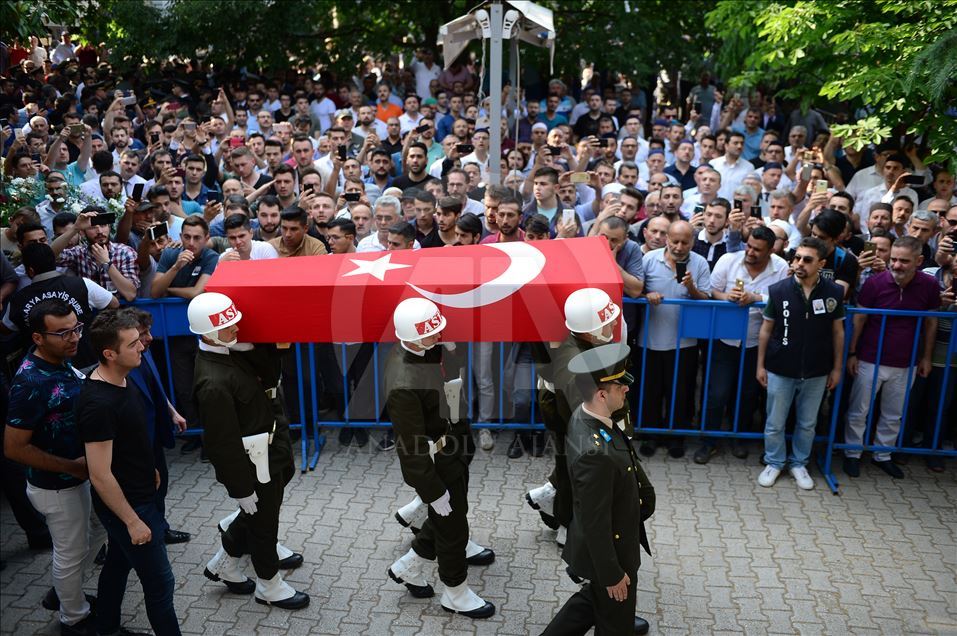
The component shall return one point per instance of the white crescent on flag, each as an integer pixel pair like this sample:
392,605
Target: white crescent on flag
525,263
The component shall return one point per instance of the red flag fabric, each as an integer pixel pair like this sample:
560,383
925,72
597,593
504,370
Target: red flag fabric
495,292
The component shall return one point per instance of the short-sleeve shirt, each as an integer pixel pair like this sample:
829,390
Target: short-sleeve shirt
880,291
731,268
629,259
660,277
841,265
41,400
189,275
105,412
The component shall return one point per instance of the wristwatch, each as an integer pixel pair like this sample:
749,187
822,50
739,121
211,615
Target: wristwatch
105,268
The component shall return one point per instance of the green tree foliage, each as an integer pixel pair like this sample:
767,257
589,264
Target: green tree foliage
274,35
20,19
636,37
897,58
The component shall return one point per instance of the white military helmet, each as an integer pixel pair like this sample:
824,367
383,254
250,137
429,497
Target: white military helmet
209,312
417,318
588,310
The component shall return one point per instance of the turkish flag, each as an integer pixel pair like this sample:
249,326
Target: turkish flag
513,292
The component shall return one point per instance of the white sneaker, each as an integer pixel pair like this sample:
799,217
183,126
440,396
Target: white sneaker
486,441
803,480
768,476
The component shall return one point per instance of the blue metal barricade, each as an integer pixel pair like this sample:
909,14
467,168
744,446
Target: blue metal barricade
706,321
935,446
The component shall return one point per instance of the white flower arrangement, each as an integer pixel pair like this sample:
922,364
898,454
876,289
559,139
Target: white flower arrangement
22,191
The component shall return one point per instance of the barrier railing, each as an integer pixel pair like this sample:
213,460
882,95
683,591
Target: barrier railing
705,321
944,373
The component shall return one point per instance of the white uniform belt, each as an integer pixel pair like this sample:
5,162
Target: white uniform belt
436,446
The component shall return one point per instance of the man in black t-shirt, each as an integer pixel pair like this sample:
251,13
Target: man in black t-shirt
112,423
840,265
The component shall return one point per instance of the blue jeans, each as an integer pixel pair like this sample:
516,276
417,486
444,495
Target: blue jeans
151,565
807,395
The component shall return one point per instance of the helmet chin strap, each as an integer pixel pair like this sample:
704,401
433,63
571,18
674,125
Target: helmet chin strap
219,342
597,335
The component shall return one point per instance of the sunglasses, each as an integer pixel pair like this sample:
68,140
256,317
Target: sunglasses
807,260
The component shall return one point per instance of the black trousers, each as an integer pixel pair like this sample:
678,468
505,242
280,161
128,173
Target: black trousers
445,538
723,385
592,607
658,377
256,535
182,355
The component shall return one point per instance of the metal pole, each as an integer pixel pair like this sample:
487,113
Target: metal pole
515,102
495,96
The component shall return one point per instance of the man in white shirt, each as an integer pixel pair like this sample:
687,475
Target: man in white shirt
779,208
242,246
480,139
385,215
742,278
411,117
457,185
709,182
425,70
129,167
732,166
322,108
895,172
64,51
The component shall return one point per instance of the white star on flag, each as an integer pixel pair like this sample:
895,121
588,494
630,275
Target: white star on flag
377,267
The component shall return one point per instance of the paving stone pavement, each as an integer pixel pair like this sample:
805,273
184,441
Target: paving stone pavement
729,556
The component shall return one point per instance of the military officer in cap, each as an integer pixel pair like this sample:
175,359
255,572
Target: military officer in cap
248,446
591,316
434,454
611,499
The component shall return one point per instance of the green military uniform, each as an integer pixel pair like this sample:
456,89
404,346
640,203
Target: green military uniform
612,497
566,399
415,398
230,392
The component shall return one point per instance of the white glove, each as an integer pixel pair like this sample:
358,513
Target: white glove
248,504
441,506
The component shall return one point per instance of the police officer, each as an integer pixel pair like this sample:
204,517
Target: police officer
612,498
591,317
248,446
434,454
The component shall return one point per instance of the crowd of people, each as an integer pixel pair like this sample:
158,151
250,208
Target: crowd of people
124,187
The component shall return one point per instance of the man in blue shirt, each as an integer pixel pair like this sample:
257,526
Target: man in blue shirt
752,131
42,434
671,272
